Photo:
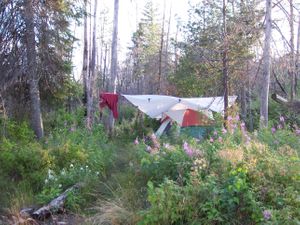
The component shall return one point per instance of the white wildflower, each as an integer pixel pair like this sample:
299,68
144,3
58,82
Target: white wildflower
63,172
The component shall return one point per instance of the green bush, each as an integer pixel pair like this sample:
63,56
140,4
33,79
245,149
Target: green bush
213,200
166,162
23,161
21,158
240,179
56,183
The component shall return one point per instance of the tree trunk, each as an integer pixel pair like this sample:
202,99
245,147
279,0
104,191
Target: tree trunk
167,67
176,47
266,68
297,62
292,52
243,102
104,86
36,115
225,62
114,60
92,73
161,50
251,126
85,57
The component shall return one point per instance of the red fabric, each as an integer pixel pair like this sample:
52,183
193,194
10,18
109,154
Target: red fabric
194,118
111,101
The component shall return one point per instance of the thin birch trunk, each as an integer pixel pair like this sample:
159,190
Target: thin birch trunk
161,50
36,114
175,48
292,52
266,67
297,61
225,62
85,57
92,73
167,40
105,67
114,60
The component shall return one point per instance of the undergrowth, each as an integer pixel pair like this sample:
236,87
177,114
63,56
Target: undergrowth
232,177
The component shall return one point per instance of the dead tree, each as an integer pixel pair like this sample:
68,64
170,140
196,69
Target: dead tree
264,94
114,59
34,92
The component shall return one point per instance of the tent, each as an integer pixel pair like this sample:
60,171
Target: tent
186,112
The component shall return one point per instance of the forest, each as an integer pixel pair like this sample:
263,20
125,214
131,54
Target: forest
79,146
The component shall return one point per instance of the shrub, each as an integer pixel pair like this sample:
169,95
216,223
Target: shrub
29,162
247,179
159,162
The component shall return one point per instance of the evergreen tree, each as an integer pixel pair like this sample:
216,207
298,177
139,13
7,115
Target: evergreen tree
200,69
36,46
146,48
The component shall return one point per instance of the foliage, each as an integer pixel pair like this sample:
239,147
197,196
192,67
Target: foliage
246,179
55,184
276,110
54,46
20,158
233,177
145,50
167,162
134,126
69,155
200,65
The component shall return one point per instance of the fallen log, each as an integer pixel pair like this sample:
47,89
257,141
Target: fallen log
293,106
56,205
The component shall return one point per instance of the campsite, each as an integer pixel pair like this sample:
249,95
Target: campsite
149,112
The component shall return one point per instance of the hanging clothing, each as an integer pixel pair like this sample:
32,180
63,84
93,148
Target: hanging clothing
111,101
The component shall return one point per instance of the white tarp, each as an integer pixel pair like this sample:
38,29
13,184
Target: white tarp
152,105
156,106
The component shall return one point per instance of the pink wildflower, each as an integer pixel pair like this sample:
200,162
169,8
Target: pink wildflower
267,214
167,145
243,127
229,118
220,139
281,119
188,150
224,131
248,138
279,126
273,130
211,140
215,133
185,145
148,148
237,118
136,141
